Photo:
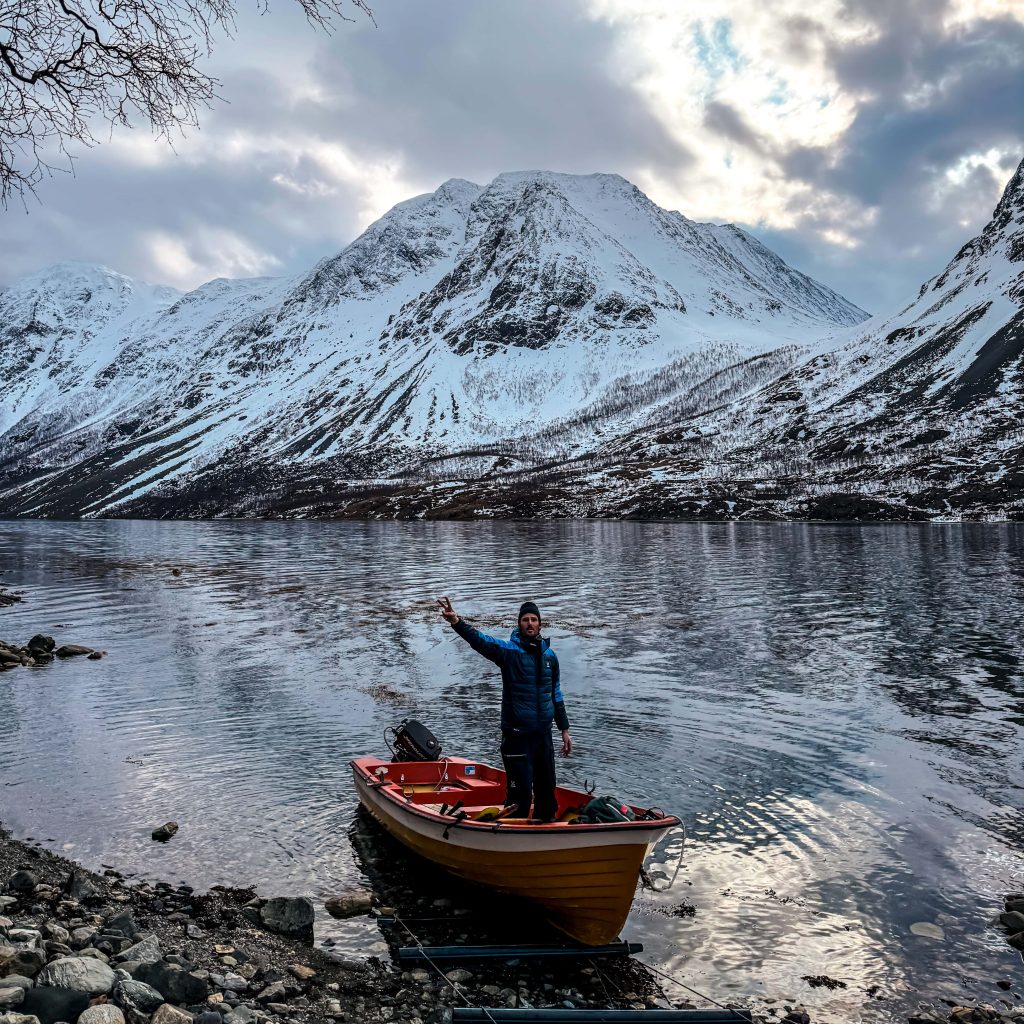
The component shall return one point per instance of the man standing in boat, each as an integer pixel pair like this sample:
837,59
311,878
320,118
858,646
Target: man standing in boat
531,698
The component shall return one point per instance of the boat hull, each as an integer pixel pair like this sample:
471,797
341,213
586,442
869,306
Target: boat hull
582,878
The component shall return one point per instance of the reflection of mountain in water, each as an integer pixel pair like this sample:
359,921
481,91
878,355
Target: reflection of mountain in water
835,712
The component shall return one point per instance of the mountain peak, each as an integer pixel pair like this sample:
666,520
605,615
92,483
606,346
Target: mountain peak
1011,203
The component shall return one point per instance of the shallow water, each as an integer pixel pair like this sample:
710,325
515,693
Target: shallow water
836,712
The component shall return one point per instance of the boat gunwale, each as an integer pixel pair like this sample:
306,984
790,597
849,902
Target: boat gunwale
501,828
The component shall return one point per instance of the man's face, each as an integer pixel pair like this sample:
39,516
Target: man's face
529,626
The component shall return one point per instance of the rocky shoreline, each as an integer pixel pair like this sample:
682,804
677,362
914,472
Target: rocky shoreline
94,948
76,946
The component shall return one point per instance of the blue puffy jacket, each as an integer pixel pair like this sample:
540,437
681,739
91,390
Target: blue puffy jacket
531,696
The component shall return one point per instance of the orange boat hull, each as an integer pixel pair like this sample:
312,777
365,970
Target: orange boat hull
582,877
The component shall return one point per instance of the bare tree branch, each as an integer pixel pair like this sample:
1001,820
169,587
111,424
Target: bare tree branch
65,64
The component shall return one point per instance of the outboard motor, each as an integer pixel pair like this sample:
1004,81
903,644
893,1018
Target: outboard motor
413,742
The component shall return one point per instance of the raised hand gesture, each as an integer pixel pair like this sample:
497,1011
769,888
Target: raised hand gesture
448,613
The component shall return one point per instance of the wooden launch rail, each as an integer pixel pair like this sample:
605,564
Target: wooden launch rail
406,953
480,1015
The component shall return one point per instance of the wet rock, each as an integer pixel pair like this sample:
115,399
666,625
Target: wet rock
168,1014
823,981
1017,941
27,962
348,905
272,993
172,981
125,924
288,915
56,932
104,1013
79,887
165,831
19,1018
72,651
147,951
22,882
54,1004
137,999
1013,921
80,973
208,1017
41,644
11,996
1015,905
81,937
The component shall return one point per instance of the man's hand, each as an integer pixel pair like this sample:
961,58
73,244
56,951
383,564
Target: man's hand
447,611
566,743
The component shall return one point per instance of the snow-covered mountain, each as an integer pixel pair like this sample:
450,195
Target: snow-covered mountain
548,344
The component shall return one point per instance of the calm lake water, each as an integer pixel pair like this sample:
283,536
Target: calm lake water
836,712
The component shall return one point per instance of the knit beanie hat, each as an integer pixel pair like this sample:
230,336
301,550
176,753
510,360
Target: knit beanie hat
528,608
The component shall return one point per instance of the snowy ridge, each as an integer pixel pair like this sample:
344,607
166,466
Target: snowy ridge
475,337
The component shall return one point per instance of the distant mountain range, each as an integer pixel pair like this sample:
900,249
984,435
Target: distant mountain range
547,345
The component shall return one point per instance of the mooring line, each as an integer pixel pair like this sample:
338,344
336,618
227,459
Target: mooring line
454,984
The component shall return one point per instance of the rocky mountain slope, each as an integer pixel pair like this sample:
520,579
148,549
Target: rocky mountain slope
546,345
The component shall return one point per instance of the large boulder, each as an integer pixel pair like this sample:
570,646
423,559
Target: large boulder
51,1005
288,915
173,982
79,973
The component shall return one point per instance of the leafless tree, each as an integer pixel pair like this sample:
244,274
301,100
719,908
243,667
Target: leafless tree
67,66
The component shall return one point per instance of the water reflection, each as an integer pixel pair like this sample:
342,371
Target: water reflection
836,712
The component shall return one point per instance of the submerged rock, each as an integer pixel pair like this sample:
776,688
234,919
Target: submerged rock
349,905
72,651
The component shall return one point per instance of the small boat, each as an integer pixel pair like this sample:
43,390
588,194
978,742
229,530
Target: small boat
582,876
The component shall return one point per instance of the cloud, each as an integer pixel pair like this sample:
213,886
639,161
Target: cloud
864,140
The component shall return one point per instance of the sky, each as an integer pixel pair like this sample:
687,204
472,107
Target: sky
864,141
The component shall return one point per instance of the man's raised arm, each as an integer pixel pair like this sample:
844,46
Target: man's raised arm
490,647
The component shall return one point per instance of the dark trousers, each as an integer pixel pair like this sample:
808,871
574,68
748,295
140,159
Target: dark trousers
529,760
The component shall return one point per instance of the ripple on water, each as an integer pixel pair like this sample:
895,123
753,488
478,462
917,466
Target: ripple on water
834,711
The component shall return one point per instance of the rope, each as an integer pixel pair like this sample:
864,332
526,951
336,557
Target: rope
696,992
454,984
444,773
